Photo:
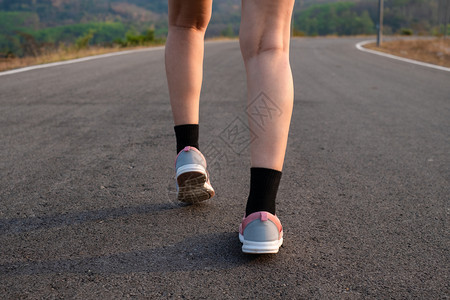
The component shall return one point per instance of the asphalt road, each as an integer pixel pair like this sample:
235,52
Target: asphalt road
87,205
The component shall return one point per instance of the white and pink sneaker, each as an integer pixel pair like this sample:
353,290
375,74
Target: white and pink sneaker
260,233
192,179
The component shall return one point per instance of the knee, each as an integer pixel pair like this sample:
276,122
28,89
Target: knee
254,46
187,16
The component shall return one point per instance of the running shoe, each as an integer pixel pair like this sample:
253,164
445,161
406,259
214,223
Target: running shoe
192,179
260,233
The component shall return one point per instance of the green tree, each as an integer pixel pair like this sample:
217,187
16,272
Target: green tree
83,42
228,31
340,18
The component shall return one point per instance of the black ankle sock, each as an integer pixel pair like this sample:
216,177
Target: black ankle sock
263,190
187,135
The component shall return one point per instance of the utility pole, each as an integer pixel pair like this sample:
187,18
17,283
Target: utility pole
439,17
446,19
380,23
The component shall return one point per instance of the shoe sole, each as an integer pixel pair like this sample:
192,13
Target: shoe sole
192,188
252,247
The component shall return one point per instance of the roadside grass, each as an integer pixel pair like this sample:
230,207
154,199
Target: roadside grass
68,53
60,54
434,51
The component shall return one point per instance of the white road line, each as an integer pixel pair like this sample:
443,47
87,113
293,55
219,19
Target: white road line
72,61
360,47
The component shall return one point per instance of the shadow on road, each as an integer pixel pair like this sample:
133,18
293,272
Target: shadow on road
18,225
212,251
215,251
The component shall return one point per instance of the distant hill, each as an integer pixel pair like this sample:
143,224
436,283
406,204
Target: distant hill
360,17
64,12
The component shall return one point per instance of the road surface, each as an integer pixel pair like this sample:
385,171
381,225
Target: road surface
87,206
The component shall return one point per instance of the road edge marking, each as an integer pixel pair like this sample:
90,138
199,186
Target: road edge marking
360,47
76,60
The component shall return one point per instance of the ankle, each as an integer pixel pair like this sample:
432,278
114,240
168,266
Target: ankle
263,190
186,135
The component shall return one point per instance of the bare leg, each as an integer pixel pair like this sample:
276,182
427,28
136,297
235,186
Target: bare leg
264,39
184,68
184,56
